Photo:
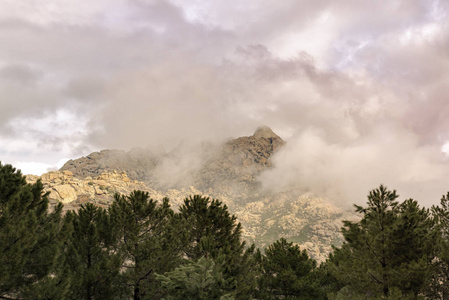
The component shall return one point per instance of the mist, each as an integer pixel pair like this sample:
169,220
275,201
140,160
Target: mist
357,89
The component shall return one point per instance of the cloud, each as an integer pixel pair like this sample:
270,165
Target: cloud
19,74
31,167
346,172
353,86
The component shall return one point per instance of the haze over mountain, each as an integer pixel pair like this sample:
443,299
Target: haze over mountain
231,174
236,164
356,88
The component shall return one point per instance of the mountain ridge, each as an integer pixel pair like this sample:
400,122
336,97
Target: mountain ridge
229,173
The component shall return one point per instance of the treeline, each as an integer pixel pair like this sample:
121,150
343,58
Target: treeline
139,248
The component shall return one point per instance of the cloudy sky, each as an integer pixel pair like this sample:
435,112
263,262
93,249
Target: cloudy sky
358,89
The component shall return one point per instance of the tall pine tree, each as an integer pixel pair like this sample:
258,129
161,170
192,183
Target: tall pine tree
214,233
147,240
440,284
30,239
389,251
286,273
93,265
212,228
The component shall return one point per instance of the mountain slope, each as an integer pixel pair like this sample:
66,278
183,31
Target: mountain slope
137,163
236,163
228,172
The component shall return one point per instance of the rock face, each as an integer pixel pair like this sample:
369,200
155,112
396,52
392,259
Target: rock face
235,166
229,173
137,163
313,223
72,191
236,163
265,132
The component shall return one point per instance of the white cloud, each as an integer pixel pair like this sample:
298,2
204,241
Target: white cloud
336,77
37,168
41,143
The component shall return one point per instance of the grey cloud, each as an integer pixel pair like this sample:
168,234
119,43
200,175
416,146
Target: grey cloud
20,74
85,88
159,72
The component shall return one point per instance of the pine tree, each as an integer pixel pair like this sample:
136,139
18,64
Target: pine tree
389,251
93,266
30,239
202,279
324,282
212,229
214,233
148,240
286,273
440,284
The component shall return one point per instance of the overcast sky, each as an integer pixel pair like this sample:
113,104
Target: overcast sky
358,89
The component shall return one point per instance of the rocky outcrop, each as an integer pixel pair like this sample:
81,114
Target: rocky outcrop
313,223
137,163
234,168
229,173
65,188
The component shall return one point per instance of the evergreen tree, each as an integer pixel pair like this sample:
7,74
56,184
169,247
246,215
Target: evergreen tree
93,266
202,279
214,233
148,241
212,229
30,239
324,281
242,271
440,283
389,251
286,273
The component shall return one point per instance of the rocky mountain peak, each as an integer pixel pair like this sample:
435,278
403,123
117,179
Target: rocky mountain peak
265,132
237,162
229,172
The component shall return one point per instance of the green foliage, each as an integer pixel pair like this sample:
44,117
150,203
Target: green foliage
243,270
286,273
139,248
147,239
93,266
390,250
30,239
214,233
212,229
324,281
440,283
202,279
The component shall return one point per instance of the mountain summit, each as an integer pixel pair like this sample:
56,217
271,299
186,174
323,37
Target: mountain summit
229,172
265,132
236,163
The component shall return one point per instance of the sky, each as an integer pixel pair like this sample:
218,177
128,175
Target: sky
357,88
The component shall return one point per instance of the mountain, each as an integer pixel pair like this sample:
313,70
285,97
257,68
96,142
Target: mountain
228,172
234,167
137,163
236,163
